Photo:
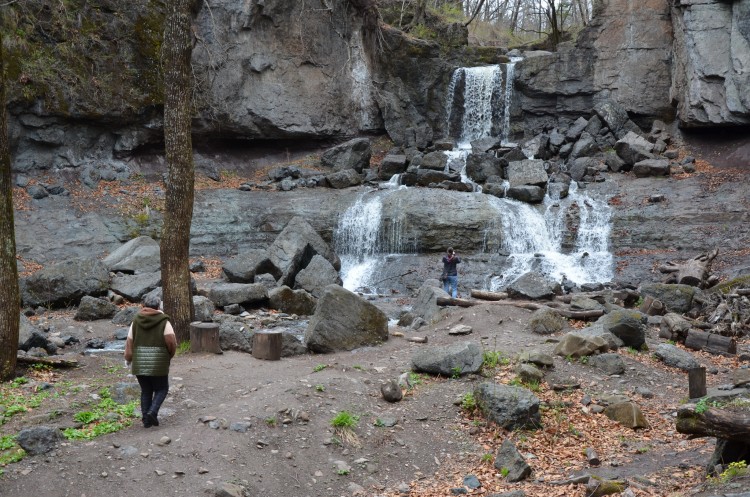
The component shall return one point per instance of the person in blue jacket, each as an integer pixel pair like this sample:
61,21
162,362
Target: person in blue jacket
450,273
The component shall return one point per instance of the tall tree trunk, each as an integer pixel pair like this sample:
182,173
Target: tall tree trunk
514,16
175,243
10,310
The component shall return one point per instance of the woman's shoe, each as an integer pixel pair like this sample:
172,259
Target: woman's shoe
147,421
152,419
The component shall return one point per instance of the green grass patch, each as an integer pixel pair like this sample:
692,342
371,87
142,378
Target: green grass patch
344,419
107,416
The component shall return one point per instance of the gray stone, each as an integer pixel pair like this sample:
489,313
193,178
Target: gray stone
578,345
204,308
290,301
92,308
509,406
508,458
243,267
527,172
295,246
533,286
134,286
344,321
65,283
627,414
651,167
39,439
546,321
627,325
457,359
354,154
317,275
676,357
676,298
608,363
391,391
139,255
224,294
344,179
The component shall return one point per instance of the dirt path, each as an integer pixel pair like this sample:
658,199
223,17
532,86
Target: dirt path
265,425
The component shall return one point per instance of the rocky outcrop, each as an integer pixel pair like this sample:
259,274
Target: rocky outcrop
710,74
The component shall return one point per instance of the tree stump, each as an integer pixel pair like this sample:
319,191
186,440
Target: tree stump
267,345
204,337
697,383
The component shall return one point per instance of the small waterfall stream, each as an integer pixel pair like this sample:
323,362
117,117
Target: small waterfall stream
363,241
534,240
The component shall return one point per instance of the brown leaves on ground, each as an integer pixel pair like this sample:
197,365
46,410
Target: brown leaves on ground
557,450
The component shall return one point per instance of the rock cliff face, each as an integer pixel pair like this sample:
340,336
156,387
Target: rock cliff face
687,61
282,69
711,74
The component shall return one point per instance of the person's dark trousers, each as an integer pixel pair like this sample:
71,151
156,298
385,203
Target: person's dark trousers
154,390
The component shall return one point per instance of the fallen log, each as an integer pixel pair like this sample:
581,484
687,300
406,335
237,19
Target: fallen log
693,272
728,424
711,342
532,306
485,295
56,362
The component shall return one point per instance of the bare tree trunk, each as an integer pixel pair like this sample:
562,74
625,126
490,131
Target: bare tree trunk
514,16
175,243
10,309
479,7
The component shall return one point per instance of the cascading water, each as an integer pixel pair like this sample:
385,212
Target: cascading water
534,240
363,241
480,90
510,73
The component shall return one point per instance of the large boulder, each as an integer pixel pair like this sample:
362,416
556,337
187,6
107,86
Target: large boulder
579,345
546,321
344,321
510,460
65,283
134,286
243,267
224,294
533,286
294,248
354,154
39,439
425,305
92,308
527,172
344,179
291,301
627,325
676,357
139,255
317,275
676,298
457,359
633,148
511,407
480,166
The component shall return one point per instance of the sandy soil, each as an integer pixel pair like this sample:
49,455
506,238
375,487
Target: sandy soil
290,448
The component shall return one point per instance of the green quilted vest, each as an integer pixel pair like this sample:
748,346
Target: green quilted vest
150,354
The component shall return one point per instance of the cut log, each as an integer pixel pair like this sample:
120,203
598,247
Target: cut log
485,295
697,383
592,457
267,345
204,337
417,339
56,362
711,342
693,272
457,302
728,424
652,306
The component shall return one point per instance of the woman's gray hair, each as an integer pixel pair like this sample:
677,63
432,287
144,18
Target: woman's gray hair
151,301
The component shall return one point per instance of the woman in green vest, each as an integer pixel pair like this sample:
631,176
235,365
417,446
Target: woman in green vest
149,349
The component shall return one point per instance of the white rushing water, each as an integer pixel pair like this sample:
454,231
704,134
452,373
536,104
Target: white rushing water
480,83
533,239
510,71
363,241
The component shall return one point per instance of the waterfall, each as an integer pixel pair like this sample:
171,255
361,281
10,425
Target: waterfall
480,88
533,240
363,239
